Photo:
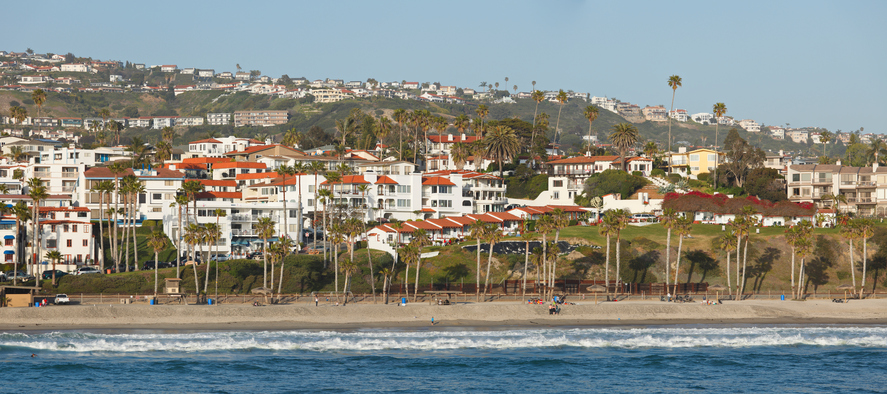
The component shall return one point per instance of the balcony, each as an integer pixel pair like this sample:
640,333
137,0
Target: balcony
68,189
42,174
70,174
866,184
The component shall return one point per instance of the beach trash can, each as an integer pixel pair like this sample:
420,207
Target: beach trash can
209,301
152,301
403,301
782,297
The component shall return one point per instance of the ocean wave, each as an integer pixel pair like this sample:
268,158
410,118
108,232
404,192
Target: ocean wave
333,341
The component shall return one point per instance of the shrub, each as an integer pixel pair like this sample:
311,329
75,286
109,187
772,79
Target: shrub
637,173
704,177
658,172
674,178
574,222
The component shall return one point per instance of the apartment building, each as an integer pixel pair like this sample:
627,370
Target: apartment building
694,162
160,184
218,119
750,125
864,188
260,118
655,114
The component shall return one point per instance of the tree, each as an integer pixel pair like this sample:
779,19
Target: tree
866,230
607,228
336,237
674,82
285,247
116,169
747,215
526,236
37,192
265,230
850,231
420,240
727,243
621,218
494,236
182,202
53,256
591,113
682,228
741,157
158,241
460,153
22,215
478,231
719,110
400,117
794,236
501,145
876,148
623,137
19,114
825,137
102,188
193,234
482,112
538,97
284,170
544,225
562,100
669,219
39,97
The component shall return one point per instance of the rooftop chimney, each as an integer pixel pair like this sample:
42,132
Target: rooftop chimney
463,136
875,167
449,137
838,162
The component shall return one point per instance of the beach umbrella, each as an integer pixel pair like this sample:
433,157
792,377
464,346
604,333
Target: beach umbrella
596,289
844,287
718,289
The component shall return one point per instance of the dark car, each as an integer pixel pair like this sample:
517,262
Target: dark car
309,234
254,255
48,274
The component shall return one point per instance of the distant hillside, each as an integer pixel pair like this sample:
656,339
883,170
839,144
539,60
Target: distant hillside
572,122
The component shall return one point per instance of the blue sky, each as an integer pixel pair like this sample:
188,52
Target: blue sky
807,63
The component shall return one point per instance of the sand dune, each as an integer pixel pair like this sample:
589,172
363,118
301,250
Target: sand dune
417,315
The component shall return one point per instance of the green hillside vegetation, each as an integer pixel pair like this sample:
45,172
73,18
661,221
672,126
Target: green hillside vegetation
305,114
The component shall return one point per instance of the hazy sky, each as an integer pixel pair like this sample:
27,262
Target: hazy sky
807,63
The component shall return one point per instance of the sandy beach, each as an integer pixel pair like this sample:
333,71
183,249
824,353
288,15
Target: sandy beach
497,314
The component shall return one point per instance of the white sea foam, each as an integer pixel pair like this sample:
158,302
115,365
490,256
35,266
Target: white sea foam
331,341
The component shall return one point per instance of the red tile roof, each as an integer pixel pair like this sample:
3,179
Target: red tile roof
437,181
206,160
349,180
258,175
584,160
206,141
238,164
456,138
205,195
105,172
210,182
385,180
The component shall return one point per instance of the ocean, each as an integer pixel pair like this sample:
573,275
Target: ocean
728,359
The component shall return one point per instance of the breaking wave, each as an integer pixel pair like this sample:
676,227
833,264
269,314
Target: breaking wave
360,341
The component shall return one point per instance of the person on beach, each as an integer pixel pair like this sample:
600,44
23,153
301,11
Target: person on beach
316,300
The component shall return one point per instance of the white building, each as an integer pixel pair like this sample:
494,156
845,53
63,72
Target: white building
702,118
189,121
750,125
75,67
218,119
159,122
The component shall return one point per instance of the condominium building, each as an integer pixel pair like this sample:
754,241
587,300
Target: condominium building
260,118
863,188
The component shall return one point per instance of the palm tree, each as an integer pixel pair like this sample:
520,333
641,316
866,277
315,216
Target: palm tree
212,234
482,112
669,219
478,231
336,237
53,256
410,254
39,97
461,123
326,197
876,148
182,202
727,243
494,236
621,218
608,228
682,229
866,230
102,188
794,236
115,127
825,137
284,170
501,145
158,241
623,137
38,193
193,234
167,134
562,99
348,268
401,117
719,109
591,113
538,97
22,214
292,138
850,231
285,247
191,189
460,153
805,247
420,240
747,215
526,236
19,114
545,225
265,230
674,82
116,169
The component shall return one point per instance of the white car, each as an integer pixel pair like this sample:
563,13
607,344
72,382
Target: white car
87,270
61,299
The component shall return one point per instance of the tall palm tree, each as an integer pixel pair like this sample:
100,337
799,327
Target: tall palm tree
193,234
591,113
825,137
420,240
212,234
192,189
494,236
285,246
727,243
501,145
460,153
850,231
804,249
167,134
401,117
292,138
461,123
482,112
182,202
102,188
348,268
265,230
621,218
410,254
19,114
538,97
559,220
158,241
682,229
39,97
37,192
115,128
623,137
607,228
544,226
794,238
562,100
284,170
22,215
526,236
674,82
116,169
137,189
669,219
876,148
747,215
337,236
478,231
719,109
866,229
326,197
53,256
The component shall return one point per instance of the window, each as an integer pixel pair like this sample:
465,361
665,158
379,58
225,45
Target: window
294,228
8,257
694,157
403,203
167,183
157,196
557,195
796,191
711,157
169,196
73,228
310,188
9,242
558,183
310,202
156,209
86,229
51,243
85,242
70,243
445,203
796,177
694,168
403,188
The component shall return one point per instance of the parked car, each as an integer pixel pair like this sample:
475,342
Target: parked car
48,274
644,218
309,234
87,270
20,275
220,257
254,256
149,265
61,299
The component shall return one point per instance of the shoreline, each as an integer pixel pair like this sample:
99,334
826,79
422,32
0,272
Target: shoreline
498,315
